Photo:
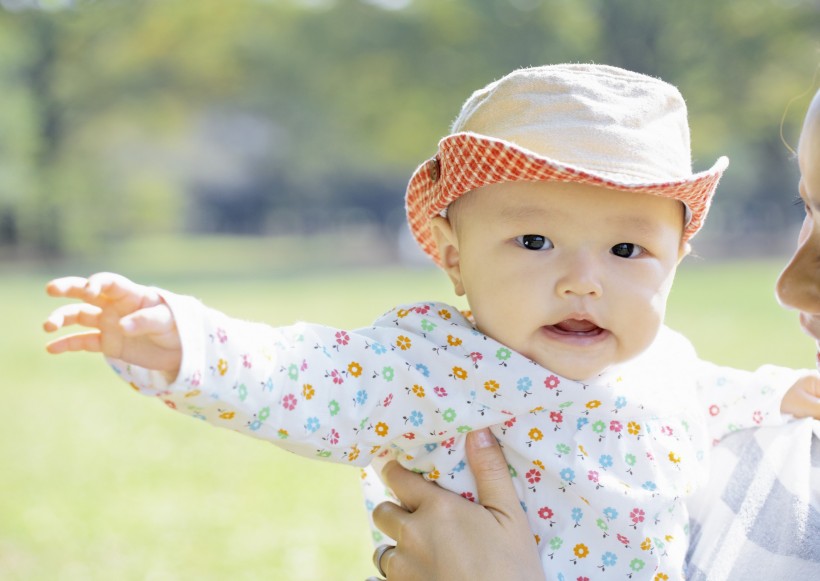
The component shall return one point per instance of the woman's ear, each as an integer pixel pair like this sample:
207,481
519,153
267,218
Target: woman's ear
447,244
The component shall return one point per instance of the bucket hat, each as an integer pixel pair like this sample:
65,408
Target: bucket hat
584,123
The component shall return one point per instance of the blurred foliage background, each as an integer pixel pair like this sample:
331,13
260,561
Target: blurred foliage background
124,119
255,153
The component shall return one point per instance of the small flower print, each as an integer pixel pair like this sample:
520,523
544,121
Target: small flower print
423,369
538,464
418,391
221,335
353,454
337,377
581,550
401,313
637,516
361,397
459,373
427,326
333,407
592,476
449,415
503,354
576,515
416,418
556,418
312,424
552,382
440,391
636,565
660,577
293,372
630,459
610,513
533,476
634,428
282,434
757,417
469,496
243,392
598,427
649,485
567,474
379,349
616,426
491,386
381,429
601,524
524,384
591,405
714,410
475,357
445,314
464,429
674,458
453,341
388,374
536,434
354,369
448,443
562,449
289,402
307,391
342,338
409,436
620,402
646,545
555,543
605,461
222,367
333,437
545,513
433,475
387,400
403,342
264,413
623,540
581,423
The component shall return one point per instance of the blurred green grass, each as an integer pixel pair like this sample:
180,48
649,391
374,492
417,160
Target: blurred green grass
99,483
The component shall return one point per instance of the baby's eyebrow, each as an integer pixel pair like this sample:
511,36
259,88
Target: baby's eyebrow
519,213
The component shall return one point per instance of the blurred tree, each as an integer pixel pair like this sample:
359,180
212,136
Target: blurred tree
130,117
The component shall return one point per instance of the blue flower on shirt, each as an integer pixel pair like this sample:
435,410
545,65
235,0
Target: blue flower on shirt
312,424
567,474
649,485
610,513
581,423
361,397
430,447
423,369
416,418
379,349
577,515
605,461
620,402
460,466
609,559
524,384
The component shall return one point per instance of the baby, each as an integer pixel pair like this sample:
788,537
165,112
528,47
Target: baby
560,206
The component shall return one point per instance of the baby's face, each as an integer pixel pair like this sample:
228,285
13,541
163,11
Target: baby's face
574,277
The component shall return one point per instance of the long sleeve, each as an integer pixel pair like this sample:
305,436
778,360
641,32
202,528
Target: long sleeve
417,378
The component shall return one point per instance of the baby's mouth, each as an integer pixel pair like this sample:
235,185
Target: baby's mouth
576,327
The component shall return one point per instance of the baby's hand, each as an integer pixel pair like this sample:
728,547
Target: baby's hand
803,398
129,321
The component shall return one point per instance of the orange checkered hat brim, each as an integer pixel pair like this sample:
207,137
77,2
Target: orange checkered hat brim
466,161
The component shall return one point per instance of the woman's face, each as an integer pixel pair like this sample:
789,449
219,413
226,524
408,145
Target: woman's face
799,284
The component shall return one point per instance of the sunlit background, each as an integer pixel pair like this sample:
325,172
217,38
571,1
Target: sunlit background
255,153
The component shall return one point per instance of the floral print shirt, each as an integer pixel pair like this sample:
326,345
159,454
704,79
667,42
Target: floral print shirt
602,467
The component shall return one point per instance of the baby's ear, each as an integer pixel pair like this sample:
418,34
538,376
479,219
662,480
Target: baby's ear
684,251
447,245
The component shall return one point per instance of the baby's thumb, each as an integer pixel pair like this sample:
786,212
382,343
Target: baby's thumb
493,480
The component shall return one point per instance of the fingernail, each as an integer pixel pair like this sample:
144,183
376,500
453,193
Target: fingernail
483,438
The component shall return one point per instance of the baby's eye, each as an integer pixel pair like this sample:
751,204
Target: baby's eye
534,242
627,250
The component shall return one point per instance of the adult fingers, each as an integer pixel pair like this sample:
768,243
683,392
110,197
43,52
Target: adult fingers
408,486
390,519
73,314
493,480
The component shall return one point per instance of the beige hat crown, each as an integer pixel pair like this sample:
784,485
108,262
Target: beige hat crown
592,124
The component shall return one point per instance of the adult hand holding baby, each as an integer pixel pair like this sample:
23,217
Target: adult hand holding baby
127,321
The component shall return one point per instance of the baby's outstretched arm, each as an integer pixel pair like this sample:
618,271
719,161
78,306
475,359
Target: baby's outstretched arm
127,321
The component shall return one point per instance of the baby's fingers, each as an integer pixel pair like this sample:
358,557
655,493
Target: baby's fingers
156,320
88,341
74,314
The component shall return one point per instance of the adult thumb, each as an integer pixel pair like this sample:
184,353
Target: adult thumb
493,480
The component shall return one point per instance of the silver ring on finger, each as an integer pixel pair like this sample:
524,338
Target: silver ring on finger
378,554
